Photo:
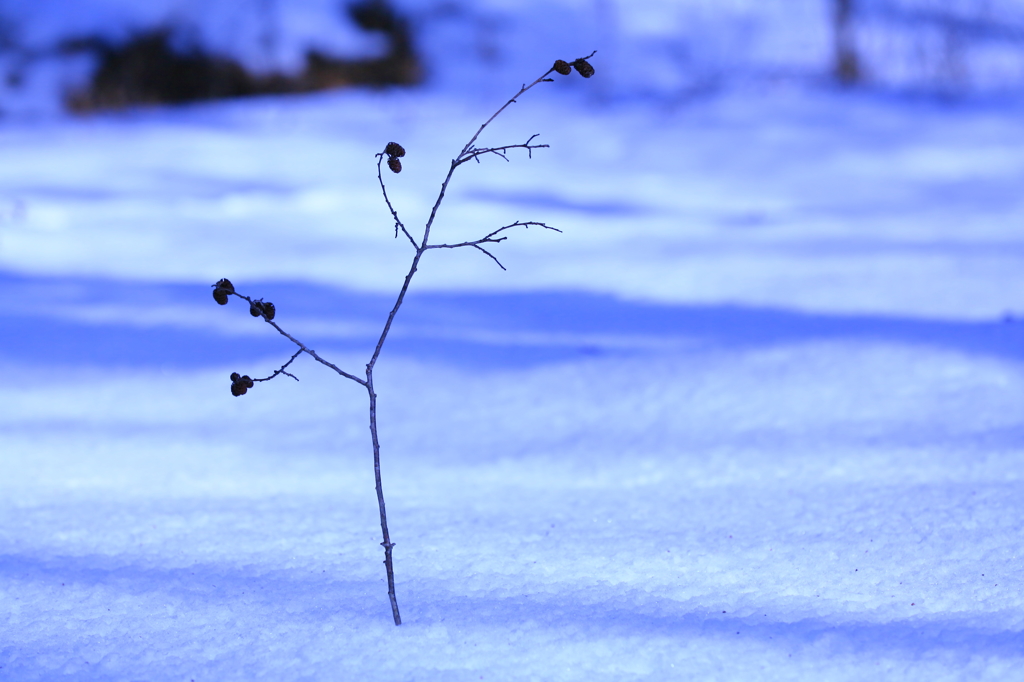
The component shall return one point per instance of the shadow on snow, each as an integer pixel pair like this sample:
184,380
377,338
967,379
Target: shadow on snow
53,320
296,601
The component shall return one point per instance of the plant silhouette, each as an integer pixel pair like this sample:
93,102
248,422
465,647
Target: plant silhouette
391,156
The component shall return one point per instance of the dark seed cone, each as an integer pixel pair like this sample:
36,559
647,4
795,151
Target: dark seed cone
562,67
240,384
220,296
395,165
256,308
584,68
394,150
226,285
269,310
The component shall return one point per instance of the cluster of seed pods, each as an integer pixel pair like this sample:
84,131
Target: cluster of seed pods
240,384
264,308
221,290
224,288
581,65
394,151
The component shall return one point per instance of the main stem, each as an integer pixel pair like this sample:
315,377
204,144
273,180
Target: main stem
387,544
421,248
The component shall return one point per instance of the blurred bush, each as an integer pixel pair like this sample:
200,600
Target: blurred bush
116,52
157,67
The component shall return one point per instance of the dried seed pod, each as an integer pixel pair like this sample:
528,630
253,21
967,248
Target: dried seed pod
584,68
395,165
394,150
222,289
269,310
256,308
562,67
240,384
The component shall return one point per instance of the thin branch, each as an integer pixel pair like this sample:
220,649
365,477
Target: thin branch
490,255
477,152
394,309
468,152
470,145
475,242
543,79
490,237
386,544
472,141
506,105
423,246
526,224
302,346
281,370
398,222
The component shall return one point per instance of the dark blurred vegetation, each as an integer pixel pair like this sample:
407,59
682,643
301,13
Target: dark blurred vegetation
155,68
943,34
847,69
931,47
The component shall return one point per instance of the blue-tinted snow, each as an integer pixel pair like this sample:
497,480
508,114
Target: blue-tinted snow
755,415
69,321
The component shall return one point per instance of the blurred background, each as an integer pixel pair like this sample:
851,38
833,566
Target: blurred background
768,379
95,54
821,156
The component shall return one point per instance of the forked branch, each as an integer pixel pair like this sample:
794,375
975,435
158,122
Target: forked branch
399,225
281,370
492,238
394,153
562,67
260,308
477,152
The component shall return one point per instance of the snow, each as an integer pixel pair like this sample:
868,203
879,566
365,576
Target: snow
754,415
822,202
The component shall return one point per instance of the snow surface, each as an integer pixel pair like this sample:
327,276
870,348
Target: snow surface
755,415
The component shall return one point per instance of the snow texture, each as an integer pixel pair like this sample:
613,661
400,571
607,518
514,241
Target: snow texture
755,415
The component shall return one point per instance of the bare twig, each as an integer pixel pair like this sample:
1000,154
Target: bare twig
302,347
313,354
489,255
393,151
389,568
492,239
469,151
281,370
461,158
477,152
399,225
